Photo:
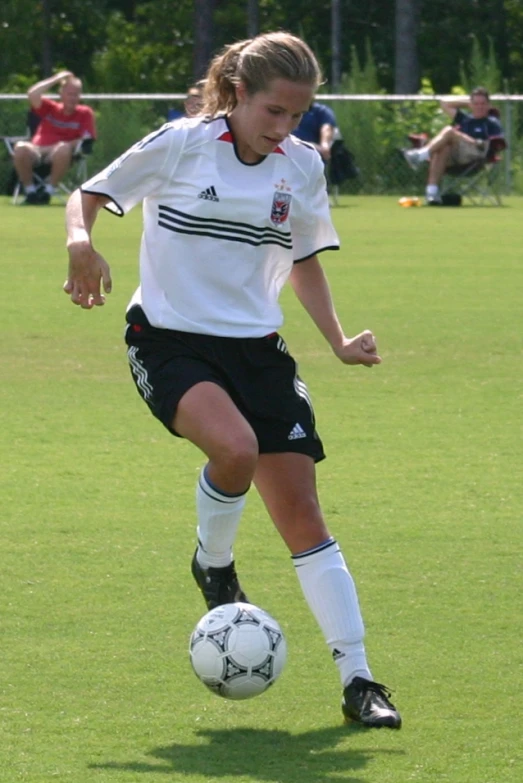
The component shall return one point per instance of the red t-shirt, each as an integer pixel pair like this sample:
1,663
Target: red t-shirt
57,126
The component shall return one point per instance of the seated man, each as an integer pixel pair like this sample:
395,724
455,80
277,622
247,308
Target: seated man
61,127
192,104
318,126
463,142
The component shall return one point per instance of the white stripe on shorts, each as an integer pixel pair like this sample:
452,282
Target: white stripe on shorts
140,373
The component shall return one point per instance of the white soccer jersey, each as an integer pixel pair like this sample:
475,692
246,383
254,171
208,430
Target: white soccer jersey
220,236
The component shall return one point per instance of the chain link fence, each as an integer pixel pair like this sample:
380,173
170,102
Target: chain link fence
374,127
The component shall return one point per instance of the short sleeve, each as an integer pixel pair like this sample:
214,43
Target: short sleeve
494,127
312,228
88,123
140,171
46,105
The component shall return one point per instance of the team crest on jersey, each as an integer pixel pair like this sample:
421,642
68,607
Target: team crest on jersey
281,204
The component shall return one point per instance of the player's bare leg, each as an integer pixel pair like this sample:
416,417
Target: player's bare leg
208,418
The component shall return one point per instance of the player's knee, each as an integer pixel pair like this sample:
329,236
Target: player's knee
239,453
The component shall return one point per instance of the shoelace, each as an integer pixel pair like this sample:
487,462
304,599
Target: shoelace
379,689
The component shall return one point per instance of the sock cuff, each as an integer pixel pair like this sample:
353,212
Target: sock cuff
330,542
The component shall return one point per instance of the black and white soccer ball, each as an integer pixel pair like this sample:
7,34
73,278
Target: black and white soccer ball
237,650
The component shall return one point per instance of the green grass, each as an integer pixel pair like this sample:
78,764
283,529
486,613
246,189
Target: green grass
422,487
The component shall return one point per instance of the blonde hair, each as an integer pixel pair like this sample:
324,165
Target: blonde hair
256,62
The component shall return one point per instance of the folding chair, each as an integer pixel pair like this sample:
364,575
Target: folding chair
479,182
342,166
75,176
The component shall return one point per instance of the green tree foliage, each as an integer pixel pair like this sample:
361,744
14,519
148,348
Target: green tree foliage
151,53
19,41
447,39
136,45
75,29
481,69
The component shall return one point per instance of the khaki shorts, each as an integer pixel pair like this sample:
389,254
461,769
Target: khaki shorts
44,154
464,152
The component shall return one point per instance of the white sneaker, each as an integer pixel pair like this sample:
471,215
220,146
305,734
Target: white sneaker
412,158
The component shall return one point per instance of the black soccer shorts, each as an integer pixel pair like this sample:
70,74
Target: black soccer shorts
259,375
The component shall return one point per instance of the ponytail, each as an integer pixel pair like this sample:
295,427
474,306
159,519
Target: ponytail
255,62
219,92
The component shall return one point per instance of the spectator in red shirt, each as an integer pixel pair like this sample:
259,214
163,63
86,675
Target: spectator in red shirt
62,125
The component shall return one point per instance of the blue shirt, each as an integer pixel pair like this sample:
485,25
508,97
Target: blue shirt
174,114
312,121
483,128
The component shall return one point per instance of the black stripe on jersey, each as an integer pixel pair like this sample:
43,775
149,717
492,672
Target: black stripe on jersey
319,250
268,236
204,232
222,229
222,223
151,137
207,118
118,212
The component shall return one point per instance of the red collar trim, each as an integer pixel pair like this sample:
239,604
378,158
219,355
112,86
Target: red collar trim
227,136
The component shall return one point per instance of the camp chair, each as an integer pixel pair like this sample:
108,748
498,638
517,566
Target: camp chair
479,182
340,167
75,176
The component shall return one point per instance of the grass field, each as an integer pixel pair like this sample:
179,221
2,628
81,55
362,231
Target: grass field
422,487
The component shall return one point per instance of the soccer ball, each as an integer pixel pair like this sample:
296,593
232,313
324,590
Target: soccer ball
237,650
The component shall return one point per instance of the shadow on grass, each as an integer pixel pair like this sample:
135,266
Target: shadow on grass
278,756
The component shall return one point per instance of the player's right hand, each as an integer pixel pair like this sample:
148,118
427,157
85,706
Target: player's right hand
87,270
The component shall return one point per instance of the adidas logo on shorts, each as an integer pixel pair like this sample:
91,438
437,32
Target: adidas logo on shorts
297,432
209,194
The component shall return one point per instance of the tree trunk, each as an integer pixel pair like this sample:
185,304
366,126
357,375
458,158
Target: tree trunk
47,59
406,73
336,39
253,16
203,36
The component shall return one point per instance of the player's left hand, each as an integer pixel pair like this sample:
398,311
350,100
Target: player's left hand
361,349
88,270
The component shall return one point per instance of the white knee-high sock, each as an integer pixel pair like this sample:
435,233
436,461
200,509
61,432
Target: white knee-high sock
218,518
331,594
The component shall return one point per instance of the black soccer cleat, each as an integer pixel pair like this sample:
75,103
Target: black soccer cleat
43,196
218,585
37,198
31,199
367,702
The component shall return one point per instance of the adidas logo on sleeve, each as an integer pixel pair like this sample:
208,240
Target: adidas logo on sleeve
209,194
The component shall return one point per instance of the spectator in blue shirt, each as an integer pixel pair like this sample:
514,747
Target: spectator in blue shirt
318,126
465,141
192,104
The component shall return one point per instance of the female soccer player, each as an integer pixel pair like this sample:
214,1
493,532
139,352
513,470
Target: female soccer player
234,206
